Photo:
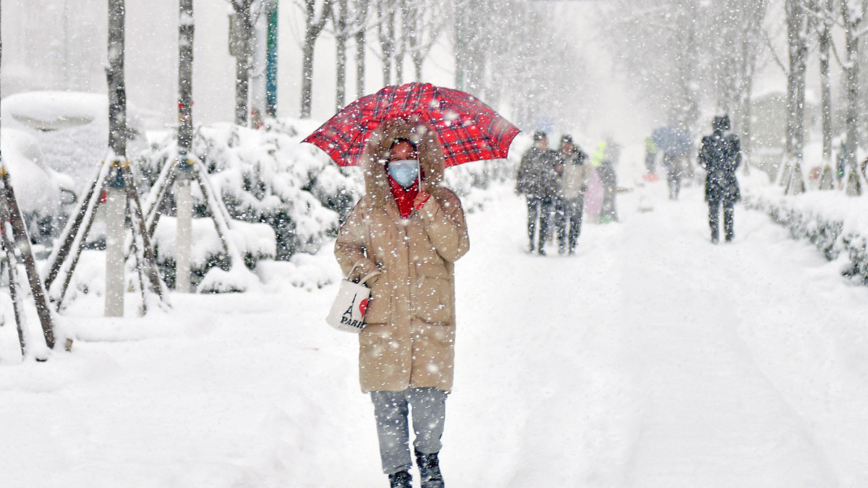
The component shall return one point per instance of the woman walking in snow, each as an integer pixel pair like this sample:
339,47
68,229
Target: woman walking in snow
405,234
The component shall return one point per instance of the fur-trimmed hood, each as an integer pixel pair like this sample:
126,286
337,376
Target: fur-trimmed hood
376,155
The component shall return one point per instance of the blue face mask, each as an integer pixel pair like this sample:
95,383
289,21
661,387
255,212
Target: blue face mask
404,172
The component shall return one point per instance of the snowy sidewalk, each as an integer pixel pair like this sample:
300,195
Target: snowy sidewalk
654,358
651,358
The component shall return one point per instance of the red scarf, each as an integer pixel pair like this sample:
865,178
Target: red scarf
404,198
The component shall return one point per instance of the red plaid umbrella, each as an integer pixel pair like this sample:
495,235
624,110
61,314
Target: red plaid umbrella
468,129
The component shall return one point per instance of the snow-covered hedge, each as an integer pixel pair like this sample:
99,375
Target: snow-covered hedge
267,176
254,241
835,223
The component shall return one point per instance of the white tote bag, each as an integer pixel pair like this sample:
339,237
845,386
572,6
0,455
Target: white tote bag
348,310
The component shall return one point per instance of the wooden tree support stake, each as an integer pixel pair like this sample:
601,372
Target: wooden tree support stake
75,236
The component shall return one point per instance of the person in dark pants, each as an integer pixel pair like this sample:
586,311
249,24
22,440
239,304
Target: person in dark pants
402,239
538,181
720,155
674,172
571,200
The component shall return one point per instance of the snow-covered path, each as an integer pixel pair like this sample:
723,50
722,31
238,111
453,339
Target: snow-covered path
654,358
651,358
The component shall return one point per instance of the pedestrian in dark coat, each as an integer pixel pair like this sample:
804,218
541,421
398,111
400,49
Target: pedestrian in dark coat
538,181
720,155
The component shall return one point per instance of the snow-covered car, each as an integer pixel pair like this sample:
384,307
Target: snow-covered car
71,128
44,195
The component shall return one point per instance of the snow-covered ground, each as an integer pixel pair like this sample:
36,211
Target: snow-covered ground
651,358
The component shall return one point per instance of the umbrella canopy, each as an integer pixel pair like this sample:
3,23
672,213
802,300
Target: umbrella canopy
672,139
467,129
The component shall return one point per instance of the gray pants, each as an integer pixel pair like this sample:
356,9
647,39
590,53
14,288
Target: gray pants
391,411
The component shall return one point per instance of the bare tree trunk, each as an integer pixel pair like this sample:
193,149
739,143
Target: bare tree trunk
386,12
117,92
360,49
851,72
185,78
313,28
825,83
460,45
340,22
184,200
795,183
115,198
746,126
242,58
402,41
413,25
306,80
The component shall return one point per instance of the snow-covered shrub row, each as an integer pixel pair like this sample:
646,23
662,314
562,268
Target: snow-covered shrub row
267,176
835,223
254,241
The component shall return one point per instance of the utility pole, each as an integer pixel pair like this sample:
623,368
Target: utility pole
115,194
271,63
183,192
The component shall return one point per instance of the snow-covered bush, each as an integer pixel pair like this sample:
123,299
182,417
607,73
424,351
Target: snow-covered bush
266,176
835,223
254,241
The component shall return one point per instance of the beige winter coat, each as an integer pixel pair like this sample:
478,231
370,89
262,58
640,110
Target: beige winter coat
410,336
574,180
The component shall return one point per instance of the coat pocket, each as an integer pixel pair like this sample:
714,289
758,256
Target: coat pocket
380,303
433,293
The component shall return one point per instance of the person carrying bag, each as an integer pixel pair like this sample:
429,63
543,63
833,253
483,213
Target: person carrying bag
405,234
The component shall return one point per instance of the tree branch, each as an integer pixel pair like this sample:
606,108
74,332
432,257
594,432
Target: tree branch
774,54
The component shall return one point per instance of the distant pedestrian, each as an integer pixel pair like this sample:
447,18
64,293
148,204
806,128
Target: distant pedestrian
606,157
575,175
650,155
720,155
840,169
538,181
674,164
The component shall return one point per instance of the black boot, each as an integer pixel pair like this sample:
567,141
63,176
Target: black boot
401,479
429,470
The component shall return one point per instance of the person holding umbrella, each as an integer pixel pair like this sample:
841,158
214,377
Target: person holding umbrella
675,142
402,239
406,232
